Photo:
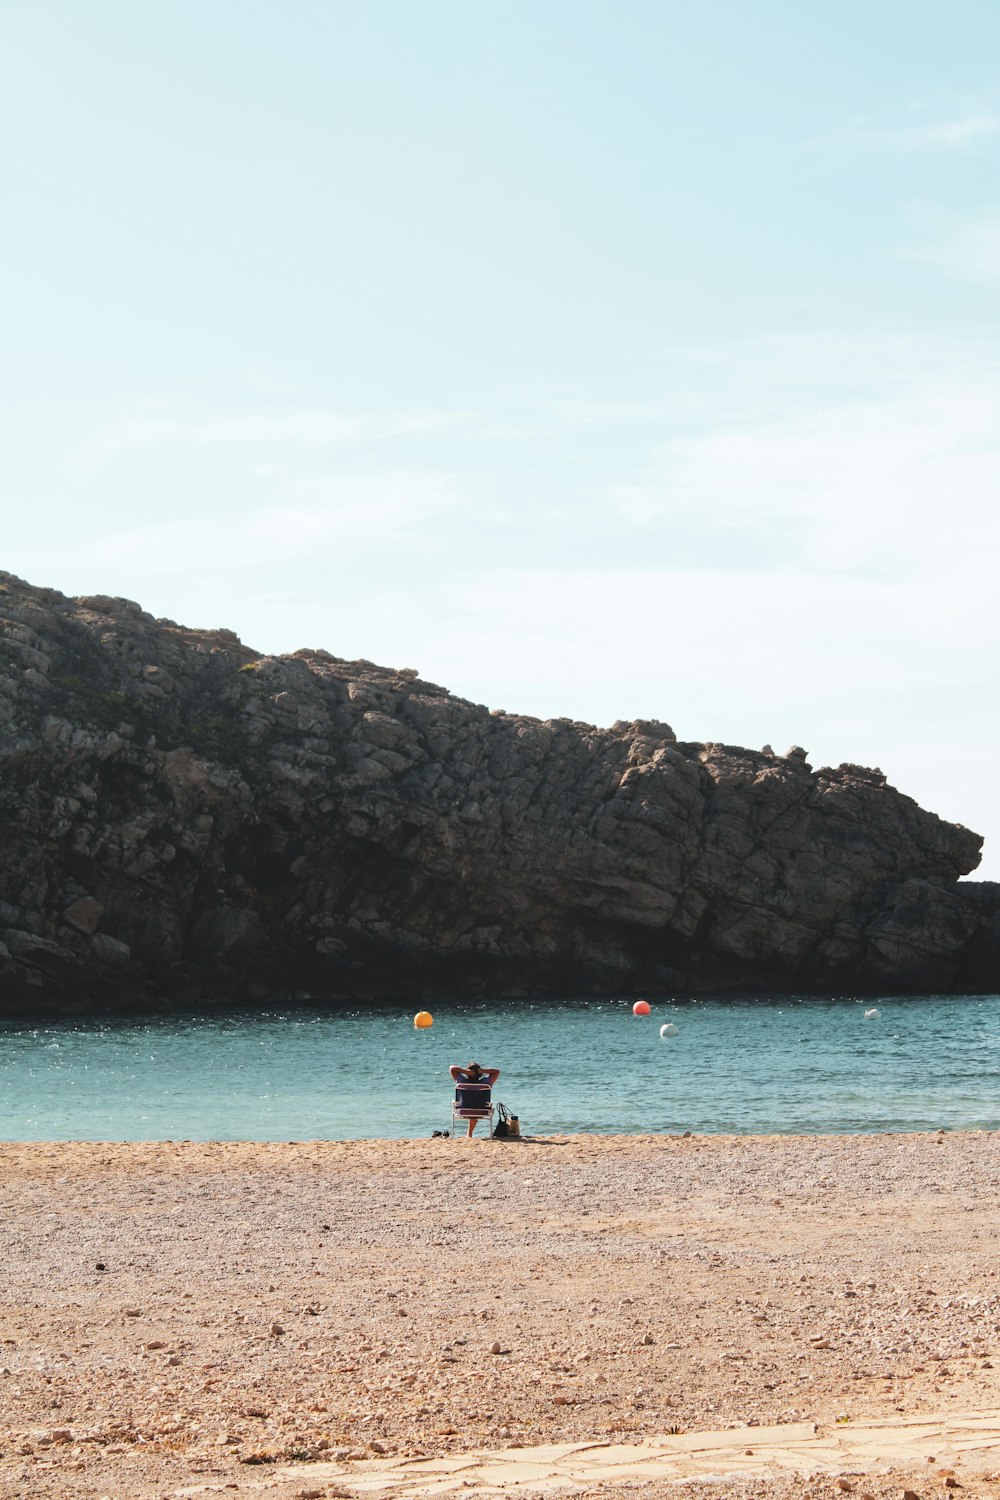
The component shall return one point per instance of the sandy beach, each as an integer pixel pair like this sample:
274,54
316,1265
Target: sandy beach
186,1319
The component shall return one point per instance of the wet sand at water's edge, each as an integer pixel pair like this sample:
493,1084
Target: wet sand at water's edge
246,1318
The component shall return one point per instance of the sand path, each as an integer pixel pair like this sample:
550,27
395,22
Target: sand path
961,1448
966,1443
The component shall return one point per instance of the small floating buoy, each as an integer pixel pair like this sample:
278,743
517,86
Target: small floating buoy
669,1029
641,1008
423,1019
873,1014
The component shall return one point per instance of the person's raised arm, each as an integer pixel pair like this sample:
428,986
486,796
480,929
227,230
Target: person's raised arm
491,1075
457,1073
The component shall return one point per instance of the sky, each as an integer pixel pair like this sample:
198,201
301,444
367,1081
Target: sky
607,359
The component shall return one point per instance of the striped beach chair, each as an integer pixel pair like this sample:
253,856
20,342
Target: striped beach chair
472,1101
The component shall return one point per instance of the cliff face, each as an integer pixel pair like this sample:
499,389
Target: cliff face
181,818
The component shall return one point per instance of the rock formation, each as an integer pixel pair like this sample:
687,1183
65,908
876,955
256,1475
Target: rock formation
182,819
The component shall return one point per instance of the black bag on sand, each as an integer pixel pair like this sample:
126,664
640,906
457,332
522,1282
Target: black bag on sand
508,1126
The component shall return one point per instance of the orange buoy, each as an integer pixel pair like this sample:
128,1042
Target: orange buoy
423,1019
641,1008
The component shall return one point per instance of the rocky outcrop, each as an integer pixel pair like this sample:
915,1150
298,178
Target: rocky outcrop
181,818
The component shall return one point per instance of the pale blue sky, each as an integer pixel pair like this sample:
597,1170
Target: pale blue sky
602,359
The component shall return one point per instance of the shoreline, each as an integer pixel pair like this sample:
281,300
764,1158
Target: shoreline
172,1309
511,1143
152,1004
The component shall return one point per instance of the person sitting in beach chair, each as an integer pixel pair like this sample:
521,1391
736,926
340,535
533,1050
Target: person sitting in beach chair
473,1086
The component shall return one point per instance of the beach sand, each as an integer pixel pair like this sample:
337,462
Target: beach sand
183,1318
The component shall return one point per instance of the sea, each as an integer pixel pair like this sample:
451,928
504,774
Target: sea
734,1065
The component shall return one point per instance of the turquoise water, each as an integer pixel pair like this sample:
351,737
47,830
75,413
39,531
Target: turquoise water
742,1066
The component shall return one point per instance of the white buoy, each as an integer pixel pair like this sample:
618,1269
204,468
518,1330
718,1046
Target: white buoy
669,1029
873,1014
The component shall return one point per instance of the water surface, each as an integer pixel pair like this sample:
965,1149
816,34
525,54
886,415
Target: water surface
736,1065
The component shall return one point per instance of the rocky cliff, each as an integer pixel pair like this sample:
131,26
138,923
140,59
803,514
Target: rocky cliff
181,818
